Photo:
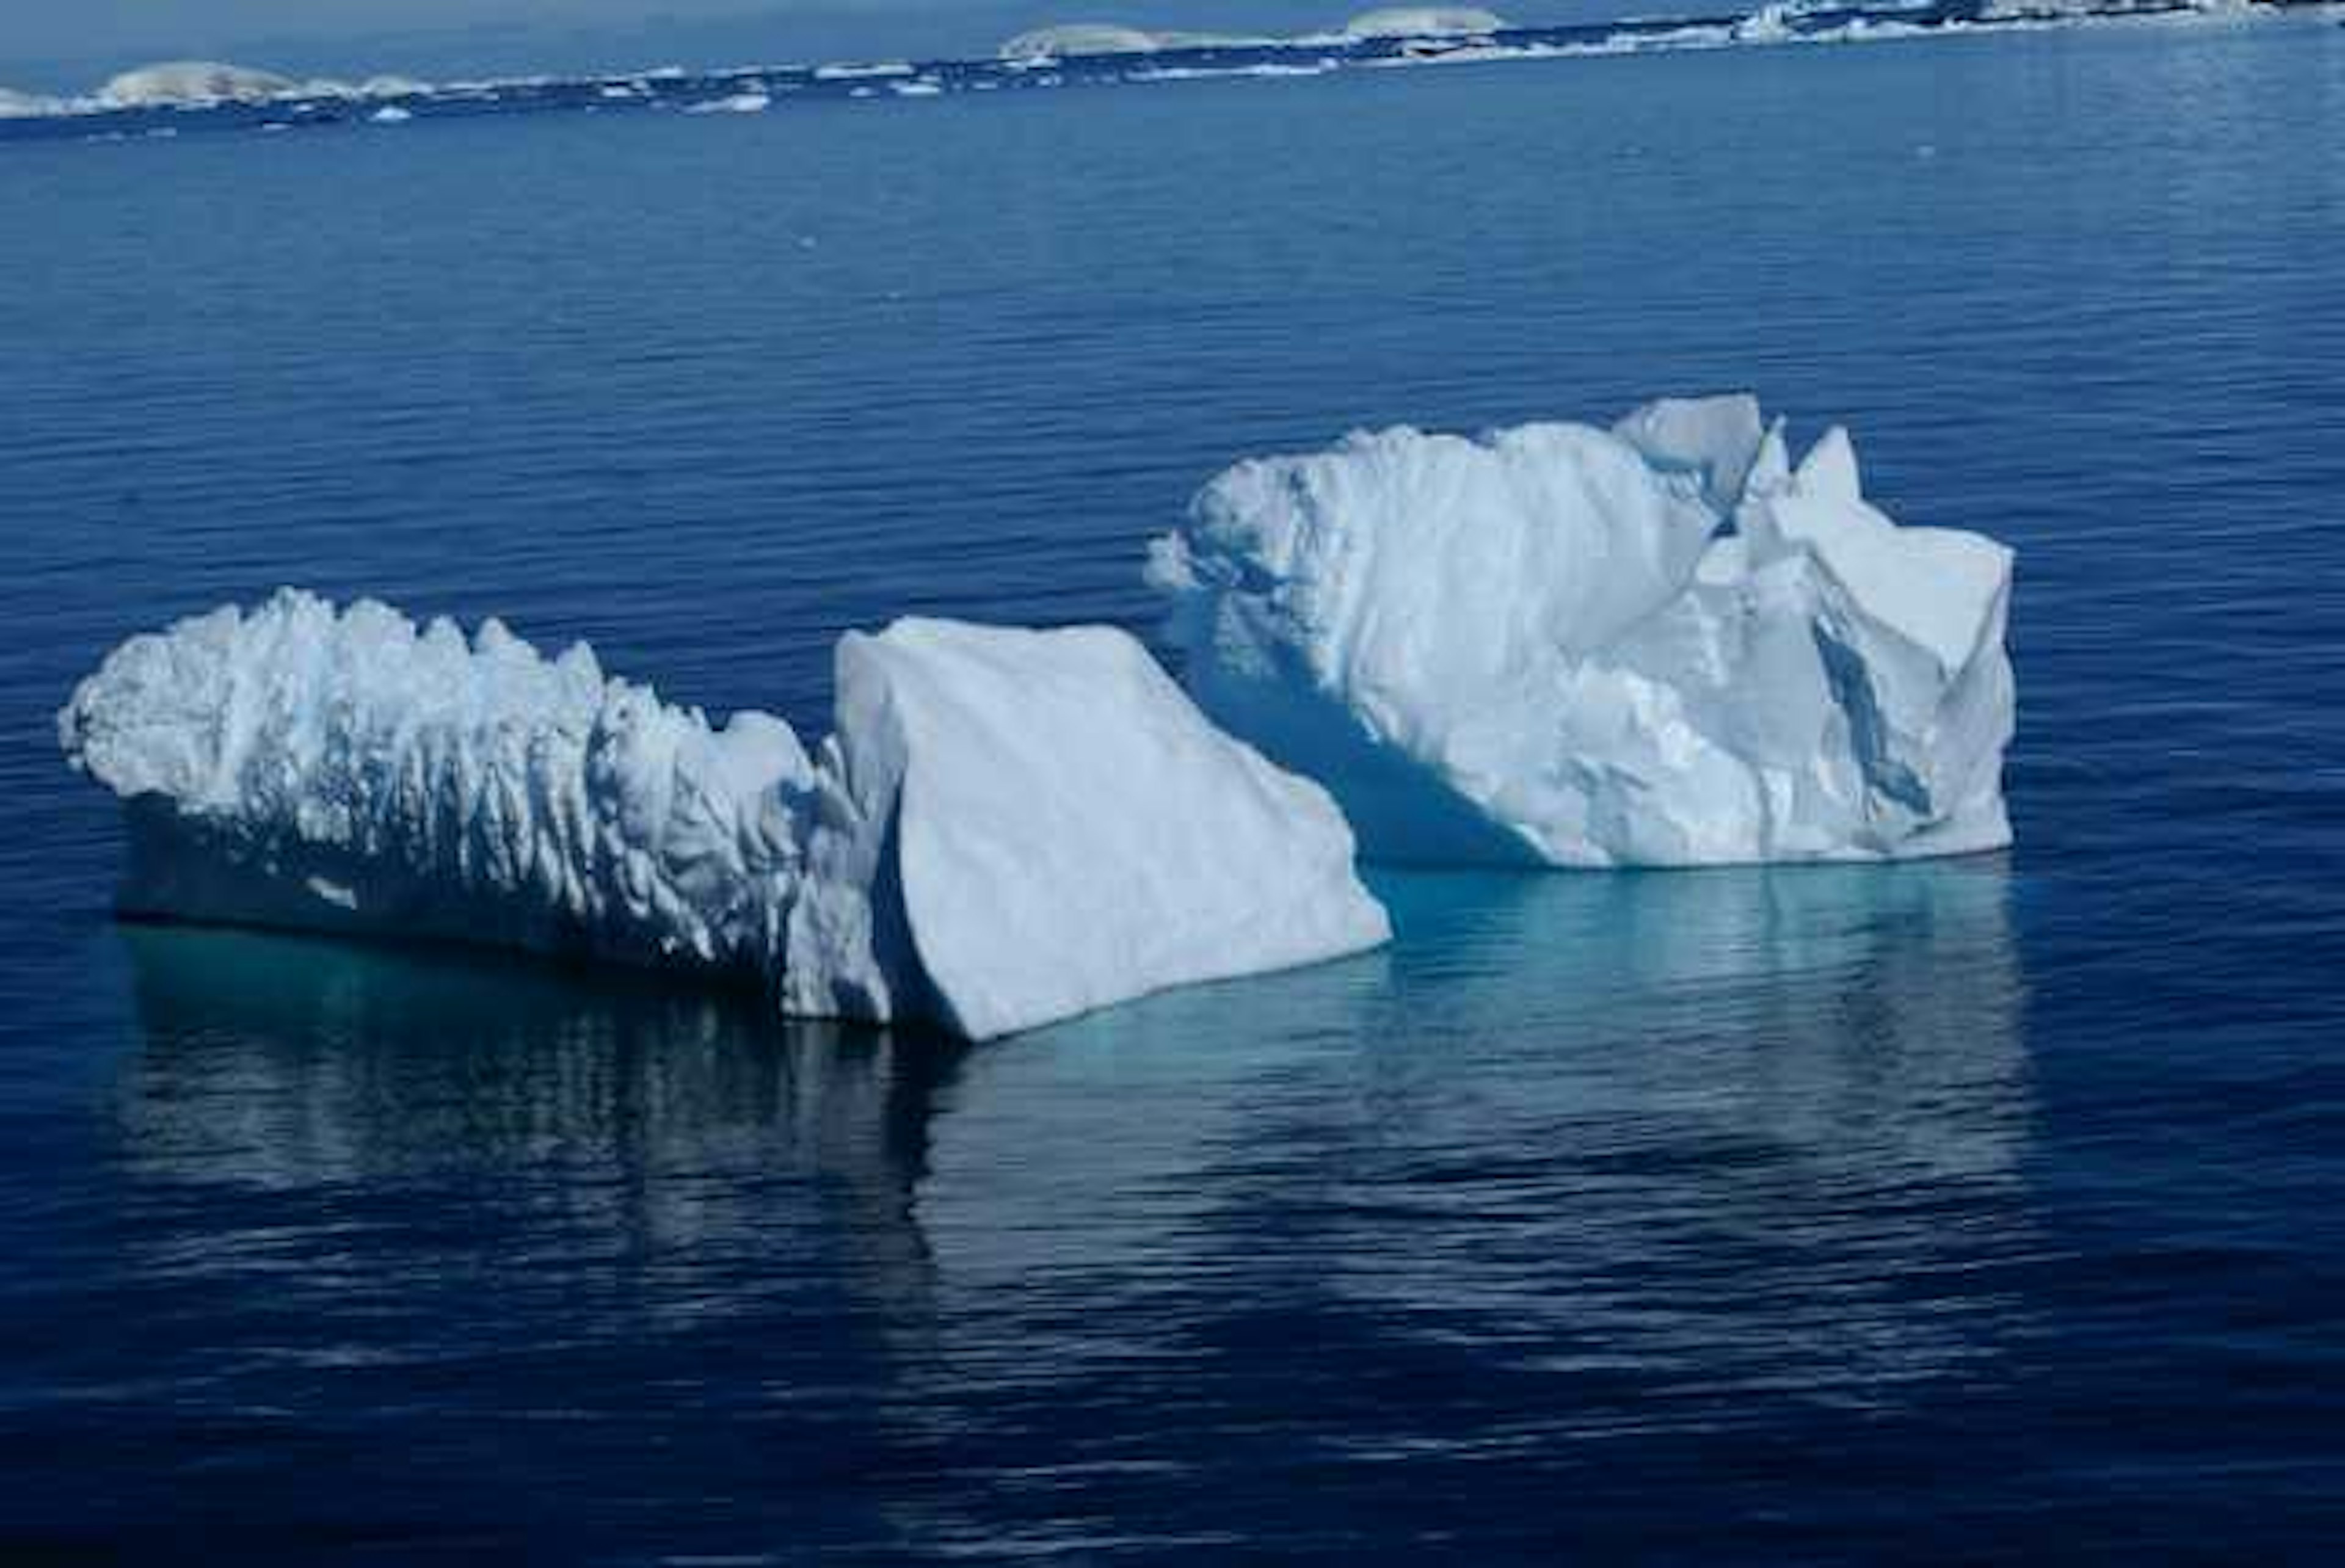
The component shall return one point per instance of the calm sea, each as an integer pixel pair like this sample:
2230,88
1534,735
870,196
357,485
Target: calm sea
1957,1211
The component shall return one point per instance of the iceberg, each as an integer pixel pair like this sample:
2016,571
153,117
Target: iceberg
193,83
1009,828
851,71
733,104
1657,644
16,105
1078,39
1425,22
1046,824
392,86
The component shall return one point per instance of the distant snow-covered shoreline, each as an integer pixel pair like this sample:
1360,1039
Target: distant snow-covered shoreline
168,95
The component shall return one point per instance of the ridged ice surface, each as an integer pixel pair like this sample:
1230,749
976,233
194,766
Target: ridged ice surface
303,766
1010,827
1657,644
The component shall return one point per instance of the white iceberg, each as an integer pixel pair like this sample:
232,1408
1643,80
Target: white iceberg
734,104
16,105
1653,645
1010,826
1068,40
852,71
393,87
301,767
1058,827
1076,40
192,83
1425,22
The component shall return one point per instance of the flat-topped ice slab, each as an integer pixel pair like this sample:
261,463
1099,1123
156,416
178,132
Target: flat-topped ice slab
1062,828
1656,644
1009,828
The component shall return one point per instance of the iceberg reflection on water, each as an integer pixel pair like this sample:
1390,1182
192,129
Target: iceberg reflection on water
1650,1144
1579,1111
588,1121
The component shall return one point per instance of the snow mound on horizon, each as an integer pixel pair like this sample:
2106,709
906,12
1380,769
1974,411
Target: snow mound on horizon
735,104
1059,828
1425,22
1067,39
1009,828
16,105
193,82
1075,40
1658,644
394,86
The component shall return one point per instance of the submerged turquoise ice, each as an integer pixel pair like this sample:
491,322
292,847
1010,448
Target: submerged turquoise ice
1976,1208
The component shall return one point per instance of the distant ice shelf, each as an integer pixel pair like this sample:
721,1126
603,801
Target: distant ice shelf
1009,827
215,95
1656,644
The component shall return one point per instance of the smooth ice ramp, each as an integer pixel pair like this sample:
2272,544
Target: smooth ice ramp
1009,828
1658,644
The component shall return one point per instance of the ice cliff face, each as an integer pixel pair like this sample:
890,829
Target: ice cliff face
1009,827
1658,644
1072,39
1048,819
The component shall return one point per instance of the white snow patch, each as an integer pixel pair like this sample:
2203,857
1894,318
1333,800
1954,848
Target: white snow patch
1771,24
1264,69
1657,644
16,106
737,103
1075,39
849,72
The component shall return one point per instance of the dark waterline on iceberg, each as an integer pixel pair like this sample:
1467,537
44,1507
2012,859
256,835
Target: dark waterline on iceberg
1981,1210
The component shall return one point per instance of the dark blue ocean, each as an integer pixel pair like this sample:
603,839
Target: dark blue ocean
1967,1211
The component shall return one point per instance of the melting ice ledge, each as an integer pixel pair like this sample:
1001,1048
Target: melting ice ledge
1657,644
